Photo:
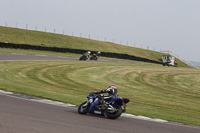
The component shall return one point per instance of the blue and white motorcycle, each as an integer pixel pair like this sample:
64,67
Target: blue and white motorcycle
111,108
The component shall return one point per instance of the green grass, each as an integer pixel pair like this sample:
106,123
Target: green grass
20,36
159,92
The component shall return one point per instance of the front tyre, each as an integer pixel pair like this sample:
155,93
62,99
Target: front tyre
117,113
83,109
81,58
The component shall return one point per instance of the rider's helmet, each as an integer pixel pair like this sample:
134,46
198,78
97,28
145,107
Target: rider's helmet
113,86
98,52
88,52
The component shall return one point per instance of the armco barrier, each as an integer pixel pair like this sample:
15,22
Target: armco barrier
77,51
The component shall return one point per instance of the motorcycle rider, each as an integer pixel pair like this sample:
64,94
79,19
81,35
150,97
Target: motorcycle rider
100,100
85,56
95,56
98,53
88,54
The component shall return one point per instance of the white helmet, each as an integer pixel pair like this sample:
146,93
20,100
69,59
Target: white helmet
89,52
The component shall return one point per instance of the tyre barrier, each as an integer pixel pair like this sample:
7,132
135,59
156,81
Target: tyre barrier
77,51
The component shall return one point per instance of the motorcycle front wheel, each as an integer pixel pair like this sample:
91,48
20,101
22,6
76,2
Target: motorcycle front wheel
83,109
117,113
81,58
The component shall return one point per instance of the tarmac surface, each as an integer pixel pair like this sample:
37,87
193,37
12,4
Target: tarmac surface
24,57
22,115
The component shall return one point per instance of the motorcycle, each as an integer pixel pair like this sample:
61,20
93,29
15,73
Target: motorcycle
84,57
112,108
94,57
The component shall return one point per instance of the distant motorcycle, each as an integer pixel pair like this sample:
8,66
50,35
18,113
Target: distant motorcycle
84,57
94,57
112,109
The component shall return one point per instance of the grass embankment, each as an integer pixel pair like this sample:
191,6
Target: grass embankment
160,92
21,36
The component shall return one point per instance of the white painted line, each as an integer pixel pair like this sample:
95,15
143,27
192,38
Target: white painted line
18,54
160,120
39,55
144,118
4,92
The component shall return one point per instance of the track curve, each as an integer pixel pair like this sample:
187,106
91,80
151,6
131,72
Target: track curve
14,56
24,116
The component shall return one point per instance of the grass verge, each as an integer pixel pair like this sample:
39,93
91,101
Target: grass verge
159,92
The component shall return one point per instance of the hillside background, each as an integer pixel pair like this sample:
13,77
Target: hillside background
21,36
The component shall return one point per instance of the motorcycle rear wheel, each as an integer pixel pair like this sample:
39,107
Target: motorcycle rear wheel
116,114
83,110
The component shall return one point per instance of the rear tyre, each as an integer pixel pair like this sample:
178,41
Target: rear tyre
83,109
116,114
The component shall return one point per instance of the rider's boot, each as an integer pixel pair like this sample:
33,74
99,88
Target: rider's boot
103,105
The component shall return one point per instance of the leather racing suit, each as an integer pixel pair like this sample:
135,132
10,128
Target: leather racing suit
100,100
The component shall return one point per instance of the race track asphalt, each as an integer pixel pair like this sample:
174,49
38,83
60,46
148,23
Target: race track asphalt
24,57
23,116
19,115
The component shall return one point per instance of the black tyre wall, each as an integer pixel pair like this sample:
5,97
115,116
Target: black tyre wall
77,51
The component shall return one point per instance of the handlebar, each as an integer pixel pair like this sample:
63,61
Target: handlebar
94,94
